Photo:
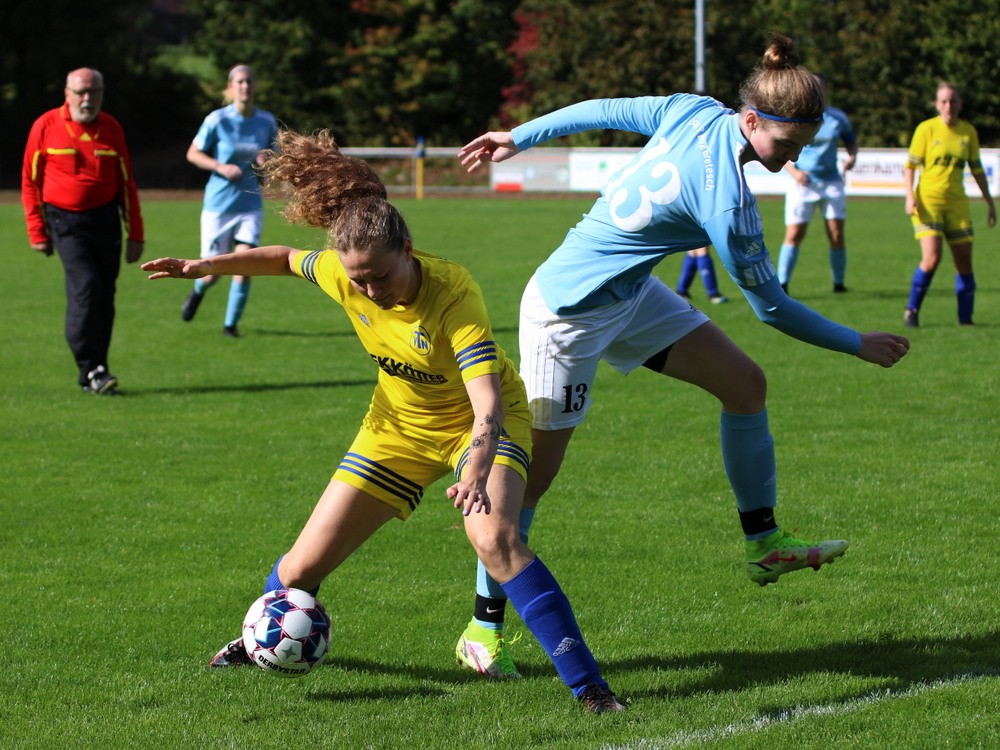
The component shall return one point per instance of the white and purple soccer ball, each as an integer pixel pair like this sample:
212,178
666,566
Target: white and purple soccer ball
286,632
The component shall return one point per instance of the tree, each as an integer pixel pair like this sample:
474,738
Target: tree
432,68
568,50
38,47
296,50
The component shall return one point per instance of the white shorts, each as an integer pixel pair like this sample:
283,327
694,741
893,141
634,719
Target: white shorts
800,200
559,353
221,233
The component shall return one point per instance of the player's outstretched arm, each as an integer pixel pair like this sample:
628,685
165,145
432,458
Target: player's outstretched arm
271,260
494,146
885,349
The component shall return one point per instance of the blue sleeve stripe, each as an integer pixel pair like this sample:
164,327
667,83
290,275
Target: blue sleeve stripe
484,351
479,360
309,266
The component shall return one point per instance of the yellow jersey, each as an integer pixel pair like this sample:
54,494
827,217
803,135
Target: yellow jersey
426,350
941,153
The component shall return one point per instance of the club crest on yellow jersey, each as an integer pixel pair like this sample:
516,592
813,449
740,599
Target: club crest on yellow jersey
420,340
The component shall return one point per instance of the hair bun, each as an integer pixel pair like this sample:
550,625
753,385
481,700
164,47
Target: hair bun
780,53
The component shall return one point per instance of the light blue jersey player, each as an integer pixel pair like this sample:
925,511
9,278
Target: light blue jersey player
229,144
594,298
817,180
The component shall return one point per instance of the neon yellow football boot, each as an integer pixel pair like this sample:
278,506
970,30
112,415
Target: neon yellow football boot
780,553
486,652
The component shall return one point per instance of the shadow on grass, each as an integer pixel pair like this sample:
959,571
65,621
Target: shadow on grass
246,387
298,334
904,662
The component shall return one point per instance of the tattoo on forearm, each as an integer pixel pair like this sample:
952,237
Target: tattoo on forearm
492,434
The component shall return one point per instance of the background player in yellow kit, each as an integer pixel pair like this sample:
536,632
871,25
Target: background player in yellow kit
447,398
939,206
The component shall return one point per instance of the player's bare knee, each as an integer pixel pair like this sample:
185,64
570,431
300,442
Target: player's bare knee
494,546
747,391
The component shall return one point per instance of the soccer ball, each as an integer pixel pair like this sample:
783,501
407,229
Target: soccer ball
286,632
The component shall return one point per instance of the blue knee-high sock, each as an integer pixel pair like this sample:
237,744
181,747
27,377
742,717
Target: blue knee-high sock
200,286
238,293
689,266
707,270
838,264
965,291
489,588
748,455
546,611
787,258
919,285
274,582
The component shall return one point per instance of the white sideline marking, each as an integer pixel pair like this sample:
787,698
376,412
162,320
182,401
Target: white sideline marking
712,734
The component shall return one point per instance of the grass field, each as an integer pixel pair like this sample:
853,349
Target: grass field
135,531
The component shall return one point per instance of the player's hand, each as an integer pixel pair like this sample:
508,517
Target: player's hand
494,146
799,175
991,216
230,172
470,498
911,206
133,250
43,247
885,349
175,268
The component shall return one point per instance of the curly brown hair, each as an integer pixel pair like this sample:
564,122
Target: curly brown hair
333,191
782,87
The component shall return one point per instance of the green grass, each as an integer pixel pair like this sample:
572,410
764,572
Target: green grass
135,531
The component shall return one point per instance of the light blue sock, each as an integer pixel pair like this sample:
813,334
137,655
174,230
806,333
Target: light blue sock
748,455
200,287
788,257
485,585
546,611
838,264
238,293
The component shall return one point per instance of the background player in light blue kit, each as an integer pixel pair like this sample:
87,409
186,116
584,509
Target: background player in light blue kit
229,145
818,181
595,297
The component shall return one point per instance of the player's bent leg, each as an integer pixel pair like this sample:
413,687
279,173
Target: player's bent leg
343,519
496,539
548,449
709,359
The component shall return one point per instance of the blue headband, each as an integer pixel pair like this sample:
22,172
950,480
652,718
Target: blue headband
801,120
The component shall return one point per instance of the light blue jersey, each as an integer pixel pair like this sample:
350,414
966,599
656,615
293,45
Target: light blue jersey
819,158
685,189
233,139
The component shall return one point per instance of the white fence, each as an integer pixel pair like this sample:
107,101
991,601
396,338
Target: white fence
557,170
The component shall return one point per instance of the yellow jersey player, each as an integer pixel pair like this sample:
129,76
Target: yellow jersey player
941,148
447,400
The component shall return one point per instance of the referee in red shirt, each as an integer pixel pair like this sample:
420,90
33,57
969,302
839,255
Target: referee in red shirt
77,188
